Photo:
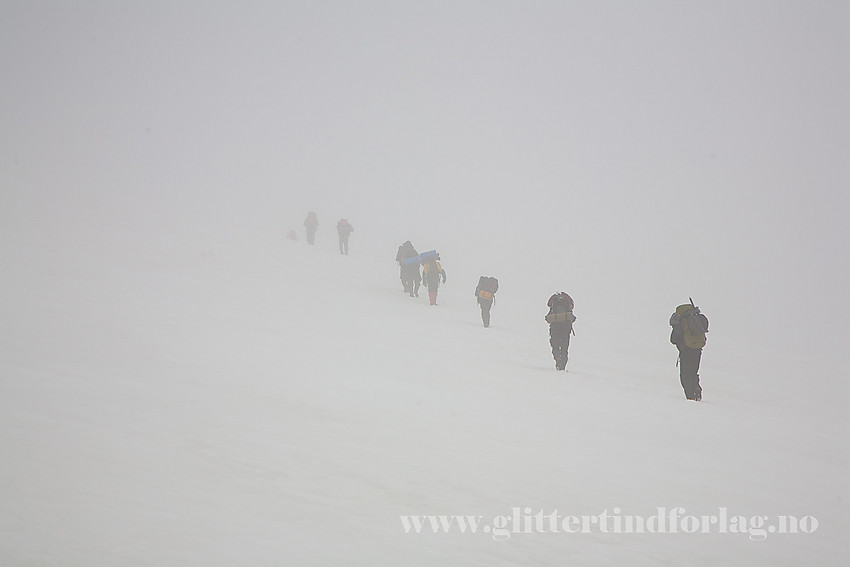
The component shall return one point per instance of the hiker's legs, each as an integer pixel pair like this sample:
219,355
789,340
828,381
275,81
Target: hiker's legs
408,277
432,283
557,344
559,338
689,359
412,279
485,311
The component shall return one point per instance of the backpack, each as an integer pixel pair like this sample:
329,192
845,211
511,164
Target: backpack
560,309
432,268
561,302
487,287
407,255
429,255
689,326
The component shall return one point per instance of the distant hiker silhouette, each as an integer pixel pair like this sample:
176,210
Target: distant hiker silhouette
292,236
688,334
432,271
560,319
485,293
311,223
344,230
408,261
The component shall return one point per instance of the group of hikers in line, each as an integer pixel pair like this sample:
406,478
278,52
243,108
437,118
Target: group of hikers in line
688,334
560,316
311,223
688,323
409,261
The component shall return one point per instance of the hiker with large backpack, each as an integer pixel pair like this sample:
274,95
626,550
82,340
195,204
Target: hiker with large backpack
560,319
409,270
485,293
432,271
688,334
311,223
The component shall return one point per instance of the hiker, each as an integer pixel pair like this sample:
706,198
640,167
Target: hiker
344,230
560,319
432,271
311,222
292,236
688,334
485,293
409,273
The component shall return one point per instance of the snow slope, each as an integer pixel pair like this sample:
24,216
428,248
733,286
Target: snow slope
268,403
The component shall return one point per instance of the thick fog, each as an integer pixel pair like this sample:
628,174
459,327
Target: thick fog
179,384
633,153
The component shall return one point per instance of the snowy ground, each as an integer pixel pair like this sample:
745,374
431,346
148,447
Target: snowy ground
284,405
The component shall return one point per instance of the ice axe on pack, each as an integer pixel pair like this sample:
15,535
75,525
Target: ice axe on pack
696,309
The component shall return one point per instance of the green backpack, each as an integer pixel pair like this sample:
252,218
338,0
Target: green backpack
692,325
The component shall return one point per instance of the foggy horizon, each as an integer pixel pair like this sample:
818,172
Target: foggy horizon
653,143
184,383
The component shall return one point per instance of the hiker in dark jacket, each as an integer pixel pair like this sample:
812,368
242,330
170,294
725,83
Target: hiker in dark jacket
311,223
688,334
485,293
344,230
409,273
560,319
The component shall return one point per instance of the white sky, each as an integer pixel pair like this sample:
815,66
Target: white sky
641,151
